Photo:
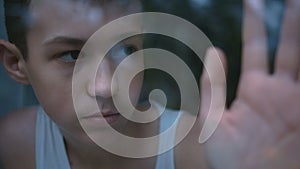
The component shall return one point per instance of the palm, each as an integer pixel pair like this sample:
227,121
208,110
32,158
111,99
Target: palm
261,129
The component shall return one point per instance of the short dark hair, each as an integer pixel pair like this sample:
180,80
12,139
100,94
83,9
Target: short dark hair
17,21
16,17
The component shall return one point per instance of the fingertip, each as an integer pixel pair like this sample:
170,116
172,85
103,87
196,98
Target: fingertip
220,53
215,62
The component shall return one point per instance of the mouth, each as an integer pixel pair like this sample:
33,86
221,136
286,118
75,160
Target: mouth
109,117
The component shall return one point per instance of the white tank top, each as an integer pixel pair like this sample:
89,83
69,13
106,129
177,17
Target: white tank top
51,152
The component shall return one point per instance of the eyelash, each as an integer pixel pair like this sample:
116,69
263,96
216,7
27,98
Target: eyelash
127,49
70,54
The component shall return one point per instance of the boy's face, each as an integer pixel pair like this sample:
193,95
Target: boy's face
58,30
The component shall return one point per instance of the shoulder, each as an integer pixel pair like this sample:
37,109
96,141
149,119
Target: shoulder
17,143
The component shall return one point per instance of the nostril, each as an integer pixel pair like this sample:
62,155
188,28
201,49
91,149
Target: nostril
90,88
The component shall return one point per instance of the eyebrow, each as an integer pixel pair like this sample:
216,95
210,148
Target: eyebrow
75,41
65,40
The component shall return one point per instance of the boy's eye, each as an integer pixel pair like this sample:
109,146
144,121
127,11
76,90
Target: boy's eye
129,49
121,51
70,56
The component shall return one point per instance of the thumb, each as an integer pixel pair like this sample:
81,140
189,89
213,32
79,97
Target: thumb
213,92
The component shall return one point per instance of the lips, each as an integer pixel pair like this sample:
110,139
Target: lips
95,120
101,115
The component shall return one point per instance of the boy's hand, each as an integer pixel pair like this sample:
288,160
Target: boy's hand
261,129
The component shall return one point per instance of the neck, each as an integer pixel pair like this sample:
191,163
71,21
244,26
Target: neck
84,153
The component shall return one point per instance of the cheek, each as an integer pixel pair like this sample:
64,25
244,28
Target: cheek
54,92
135,87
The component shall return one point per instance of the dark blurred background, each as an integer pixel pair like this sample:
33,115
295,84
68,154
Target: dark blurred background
221,21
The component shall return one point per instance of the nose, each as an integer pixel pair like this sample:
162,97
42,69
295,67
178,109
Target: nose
102,88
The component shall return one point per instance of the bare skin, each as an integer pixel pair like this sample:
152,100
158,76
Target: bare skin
18,148
259,130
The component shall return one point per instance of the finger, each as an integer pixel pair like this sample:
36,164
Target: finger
213,76
254,37
288,55
213,92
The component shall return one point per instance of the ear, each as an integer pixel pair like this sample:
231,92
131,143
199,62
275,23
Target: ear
13,62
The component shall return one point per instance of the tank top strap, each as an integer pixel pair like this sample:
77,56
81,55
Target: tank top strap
50,147
166,160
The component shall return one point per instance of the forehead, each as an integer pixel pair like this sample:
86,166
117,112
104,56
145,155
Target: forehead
75,19
83,8
78,16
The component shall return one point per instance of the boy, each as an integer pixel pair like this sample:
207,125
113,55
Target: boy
55,32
